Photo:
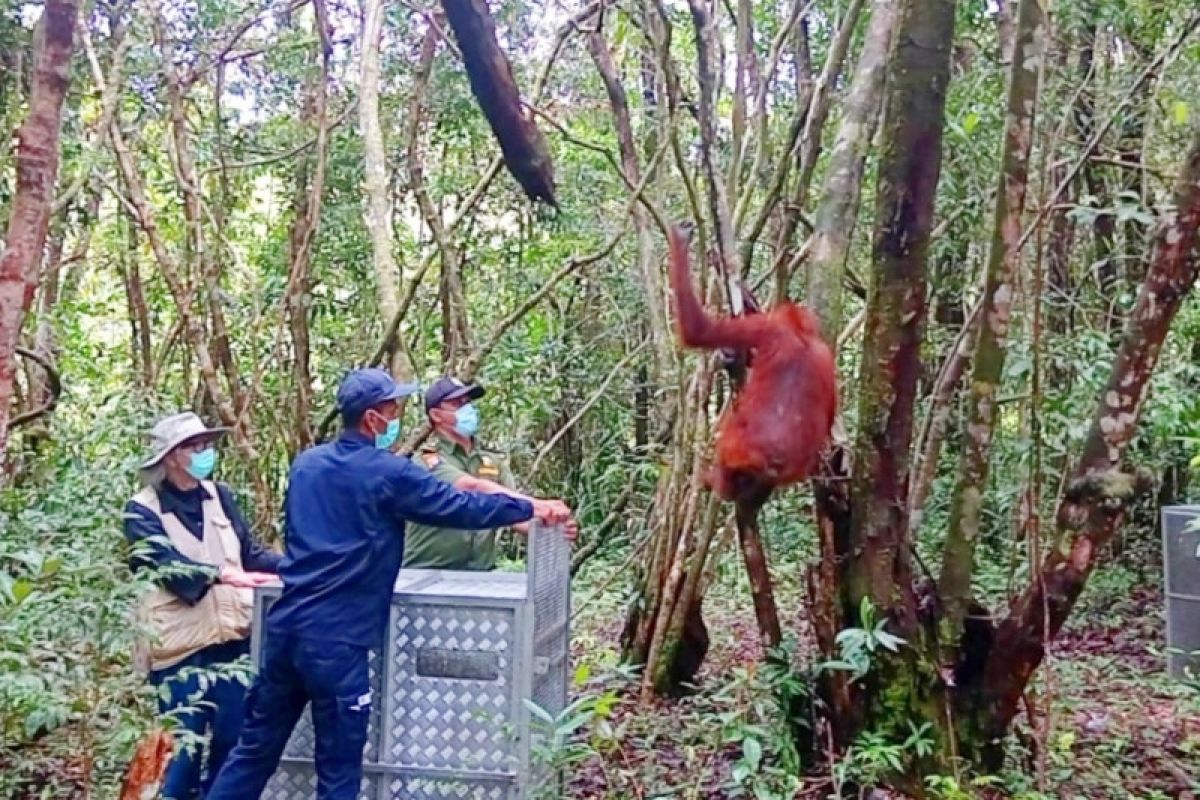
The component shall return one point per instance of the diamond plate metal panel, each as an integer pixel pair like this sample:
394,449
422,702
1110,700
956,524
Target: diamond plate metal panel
443,722
550,595
1183,635
1181,562
550,590
414,788
1181,549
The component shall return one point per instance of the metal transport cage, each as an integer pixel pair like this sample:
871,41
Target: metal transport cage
463,653
1181,561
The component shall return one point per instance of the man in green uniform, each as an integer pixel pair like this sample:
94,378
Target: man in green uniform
456,457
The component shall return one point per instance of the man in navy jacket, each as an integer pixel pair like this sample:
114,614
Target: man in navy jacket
346,507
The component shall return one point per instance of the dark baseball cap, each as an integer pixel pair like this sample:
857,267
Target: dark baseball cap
366,388
444,389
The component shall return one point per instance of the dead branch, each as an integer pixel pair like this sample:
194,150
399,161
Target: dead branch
490,75
599,536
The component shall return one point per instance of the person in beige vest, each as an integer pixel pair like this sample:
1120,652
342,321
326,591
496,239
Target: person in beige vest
206,563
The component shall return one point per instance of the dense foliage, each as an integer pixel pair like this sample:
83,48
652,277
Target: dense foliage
558,315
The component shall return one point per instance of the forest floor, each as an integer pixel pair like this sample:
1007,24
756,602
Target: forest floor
1118,728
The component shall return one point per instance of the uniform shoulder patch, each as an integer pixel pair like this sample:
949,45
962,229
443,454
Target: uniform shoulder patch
488,467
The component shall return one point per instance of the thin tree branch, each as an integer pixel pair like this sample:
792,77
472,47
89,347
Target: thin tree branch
591,401
54,383
476,359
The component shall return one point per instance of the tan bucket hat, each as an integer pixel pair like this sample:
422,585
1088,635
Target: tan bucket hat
169,433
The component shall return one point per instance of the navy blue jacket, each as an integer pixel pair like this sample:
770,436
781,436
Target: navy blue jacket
188,579
347,502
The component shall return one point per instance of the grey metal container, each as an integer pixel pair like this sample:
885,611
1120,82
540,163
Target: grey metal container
464,651
1181,562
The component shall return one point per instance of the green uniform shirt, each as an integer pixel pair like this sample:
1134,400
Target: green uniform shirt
427,547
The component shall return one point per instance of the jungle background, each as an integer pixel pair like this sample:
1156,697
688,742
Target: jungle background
254,196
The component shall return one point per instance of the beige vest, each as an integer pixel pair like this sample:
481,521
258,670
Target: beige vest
222,614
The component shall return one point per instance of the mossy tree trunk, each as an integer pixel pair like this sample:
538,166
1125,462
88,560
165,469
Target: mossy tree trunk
868,533
958,560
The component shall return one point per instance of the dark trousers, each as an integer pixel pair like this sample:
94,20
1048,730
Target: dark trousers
201,705
293,673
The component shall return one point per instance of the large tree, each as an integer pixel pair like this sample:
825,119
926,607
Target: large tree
37,175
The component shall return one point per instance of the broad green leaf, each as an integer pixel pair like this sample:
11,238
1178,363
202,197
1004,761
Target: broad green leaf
582,673
21,590
752,750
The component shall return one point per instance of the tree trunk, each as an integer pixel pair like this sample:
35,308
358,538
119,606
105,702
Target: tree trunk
958,560
837,213
874,544
58,268
836,218
379,211
910,165
139,315
310,186
649,275
665,631
37,172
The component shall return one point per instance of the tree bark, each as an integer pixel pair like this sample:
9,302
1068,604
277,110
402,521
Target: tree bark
648,270
139,315
310,186
379,210
958,560
829,246
837,213
37,171
910,165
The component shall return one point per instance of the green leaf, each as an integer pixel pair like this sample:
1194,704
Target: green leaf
1180,112
539,712
582,673
752,752
970,123
21,590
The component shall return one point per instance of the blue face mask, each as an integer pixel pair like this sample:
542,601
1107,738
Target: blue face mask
466,421
203,463
385,440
